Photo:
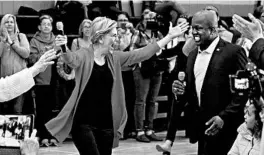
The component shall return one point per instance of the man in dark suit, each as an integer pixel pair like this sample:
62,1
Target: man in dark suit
213,112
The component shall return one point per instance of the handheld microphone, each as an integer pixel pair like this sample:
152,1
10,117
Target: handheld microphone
59,26
181,77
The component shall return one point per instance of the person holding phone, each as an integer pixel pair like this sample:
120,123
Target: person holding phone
125,31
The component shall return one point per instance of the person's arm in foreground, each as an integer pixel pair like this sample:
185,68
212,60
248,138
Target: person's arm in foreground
18,83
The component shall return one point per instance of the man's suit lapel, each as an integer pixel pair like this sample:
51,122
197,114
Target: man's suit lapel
192,62
216,56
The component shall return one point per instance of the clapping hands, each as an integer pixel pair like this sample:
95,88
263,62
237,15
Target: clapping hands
252,30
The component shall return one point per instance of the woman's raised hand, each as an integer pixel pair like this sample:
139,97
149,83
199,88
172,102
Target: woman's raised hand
177,30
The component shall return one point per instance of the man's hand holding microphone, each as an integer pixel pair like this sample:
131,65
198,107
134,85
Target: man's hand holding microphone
178,86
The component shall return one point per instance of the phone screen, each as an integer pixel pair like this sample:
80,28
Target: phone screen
13,129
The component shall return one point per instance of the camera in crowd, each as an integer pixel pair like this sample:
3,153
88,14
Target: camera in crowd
159,23
248,82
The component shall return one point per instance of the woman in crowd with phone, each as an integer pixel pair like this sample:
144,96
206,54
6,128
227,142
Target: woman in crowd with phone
14,50
125,31
99,94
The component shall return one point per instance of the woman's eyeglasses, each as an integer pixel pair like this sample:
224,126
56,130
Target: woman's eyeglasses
122,20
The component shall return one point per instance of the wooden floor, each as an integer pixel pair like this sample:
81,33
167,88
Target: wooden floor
131,147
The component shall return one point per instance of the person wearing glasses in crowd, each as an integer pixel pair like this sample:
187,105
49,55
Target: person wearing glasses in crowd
125,31
14,50
83,41
96,127
43,41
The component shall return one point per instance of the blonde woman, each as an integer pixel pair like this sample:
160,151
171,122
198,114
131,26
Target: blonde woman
95,113
14,50
84,39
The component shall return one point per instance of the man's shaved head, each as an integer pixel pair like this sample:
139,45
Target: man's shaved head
204,28
208,17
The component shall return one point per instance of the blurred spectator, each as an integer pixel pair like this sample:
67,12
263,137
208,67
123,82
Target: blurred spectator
14,50
104,9
147,77
178,61
259,13
41,42
249,133
125,31
245,43
170,9
83,41
72,13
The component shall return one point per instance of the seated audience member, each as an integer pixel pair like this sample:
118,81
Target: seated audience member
249,133
20,82
14,50
41,42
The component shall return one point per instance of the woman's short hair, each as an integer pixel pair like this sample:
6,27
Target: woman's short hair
100,27
81,26
5,19
41,18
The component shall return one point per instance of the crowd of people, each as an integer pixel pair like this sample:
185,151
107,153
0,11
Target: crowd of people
105,87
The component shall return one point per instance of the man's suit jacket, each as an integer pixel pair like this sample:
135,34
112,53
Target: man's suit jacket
256,53
216,97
